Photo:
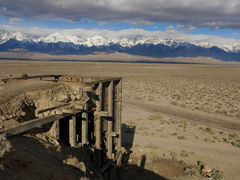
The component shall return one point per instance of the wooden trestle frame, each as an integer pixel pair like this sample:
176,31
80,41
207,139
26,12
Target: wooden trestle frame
93,119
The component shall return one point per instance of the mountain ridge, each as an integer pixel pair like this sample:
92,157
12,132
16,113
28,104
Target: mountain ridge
58,44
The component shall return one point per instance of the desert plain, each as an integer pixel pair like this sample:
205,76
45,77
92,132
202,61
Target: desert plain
182,112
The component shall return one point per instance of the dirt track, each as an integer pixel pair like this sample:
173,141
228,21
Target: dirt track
219,122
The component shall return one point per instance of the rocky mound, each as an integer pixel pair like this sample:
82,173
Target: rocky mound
19,100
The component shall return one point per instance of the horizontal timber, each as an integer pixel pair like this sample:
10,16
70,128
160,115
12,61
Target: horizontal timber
30,77
33,124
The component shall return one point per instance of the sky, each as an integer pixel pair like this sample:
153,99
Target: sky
200,20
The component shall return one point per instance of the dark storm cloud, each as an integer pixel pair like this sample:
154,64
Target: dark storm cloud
188,13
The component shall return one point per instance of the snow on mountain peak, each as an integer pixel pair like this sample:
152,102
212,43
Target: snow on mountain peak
5,36
19,36
98,40
54,38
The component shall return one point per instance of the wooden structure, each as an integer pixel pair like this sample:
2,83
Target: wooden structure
92,118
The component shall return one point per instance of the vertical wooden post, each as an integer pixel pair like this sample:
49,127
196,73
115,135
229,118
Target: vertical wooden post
85,125
56,126
110,121
119,115
98,120
72,131
98,128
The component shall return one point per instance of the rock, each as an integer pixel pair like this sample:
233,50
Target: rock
139,162
23,113
199,168
155,169
55,141
82,167
72,97
63,98
3,118
206,170
191,172
184,162
78,96
130,160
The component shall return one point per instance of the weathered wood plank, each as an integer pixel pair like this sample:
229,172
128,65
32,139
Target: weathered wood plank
33,124
85,125
104,113
72,131
73,82
38,111
97,160
103,81
30,77
110,123
56,126
109,163
119,115
98,120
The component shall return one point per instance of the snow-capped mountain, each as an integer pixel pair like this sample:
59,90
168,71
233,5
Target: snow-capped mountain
139,45
5,36
54,38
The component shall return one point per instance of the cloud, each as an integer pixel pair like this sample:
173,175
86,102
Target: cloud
186,27
199,13
140,23
169,28
15,21
128,33
235,33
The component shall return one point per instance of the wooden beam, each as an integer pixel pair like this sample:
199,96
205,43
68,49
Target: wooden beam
110,123
97,160
110,99
85,125
30,77
83,77
73,83
114,134
33,124
103,81
72,110
104,113
109,163
56,126
72,131
119,114
38,111
98,120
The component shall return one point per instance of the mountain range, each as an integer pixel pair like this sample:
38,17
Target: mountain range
58,44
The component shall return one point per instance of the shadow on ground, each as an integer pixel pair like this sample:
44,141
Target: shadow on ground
134,171
37,156
39,159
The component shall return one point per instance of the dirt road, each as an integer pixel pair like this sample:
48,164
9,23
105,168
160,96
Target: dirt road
217,121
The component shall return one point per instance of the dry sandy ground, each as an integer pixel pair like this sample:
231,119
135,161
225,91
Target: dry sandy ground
173,137
202,90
